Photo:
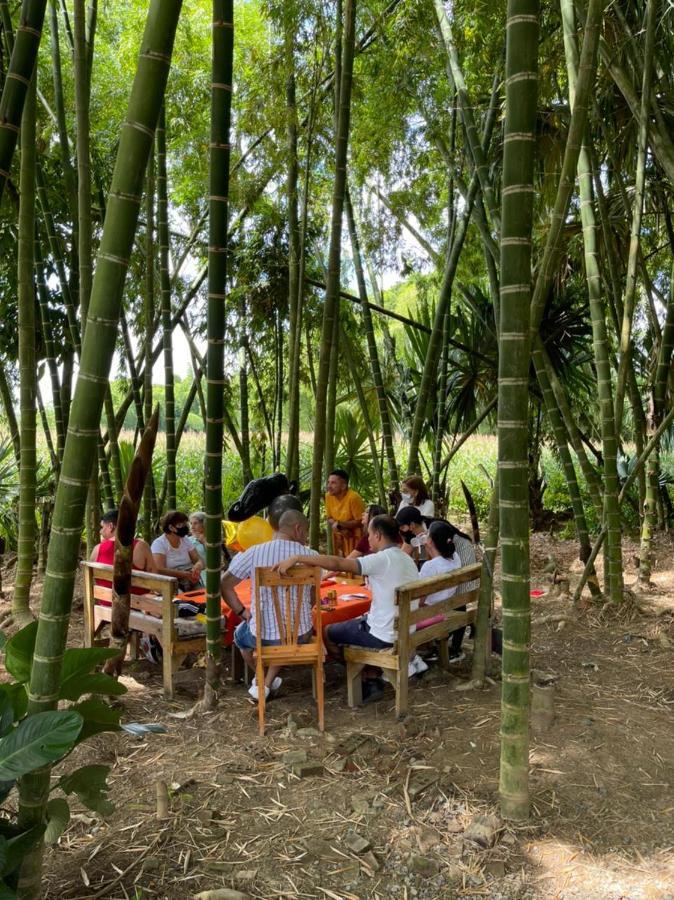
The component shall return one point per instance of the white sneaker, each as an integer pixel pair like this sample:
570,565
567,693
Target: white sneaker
275,685
253,692
416,666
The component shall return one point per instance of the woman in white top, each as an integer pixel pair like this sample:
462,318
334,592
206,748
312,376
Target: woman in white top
174,554
415,493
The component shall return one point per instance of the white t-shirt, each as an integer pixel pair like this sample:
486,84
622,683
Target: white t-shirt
427,508
440,566
260,556
386,570
176,557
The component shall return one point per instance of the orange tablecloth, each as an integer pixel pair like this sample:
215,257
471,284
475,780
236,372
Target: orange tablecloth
345,609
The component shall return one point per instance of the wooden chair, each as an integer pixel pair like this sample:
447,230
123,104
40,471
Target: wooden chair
152,613
285,610
395,661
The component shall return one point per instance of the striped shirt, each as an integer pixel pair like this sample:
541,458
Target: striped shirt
466,552
260,556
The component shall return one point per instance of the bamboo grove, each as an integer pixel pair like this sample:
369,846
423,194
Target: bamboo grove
361,231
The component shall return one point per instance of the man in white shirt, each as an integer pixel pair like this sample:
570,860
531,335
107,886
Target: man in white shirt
290,537
387,568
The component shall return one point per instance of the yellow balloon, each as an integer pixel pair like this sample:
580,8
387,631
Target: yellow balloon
253,531
229,530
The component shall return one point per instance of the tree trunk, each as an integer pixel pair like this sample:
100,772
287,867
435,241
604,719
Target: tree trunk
481,648
382,399
294,284
139,470
221,100
613,577
513,403
99,344
331,303
637,213
15,88
167,332
148,320
27,363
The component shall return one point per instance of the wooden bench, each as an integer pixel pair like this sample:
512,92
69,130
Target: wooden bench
395,661
152,613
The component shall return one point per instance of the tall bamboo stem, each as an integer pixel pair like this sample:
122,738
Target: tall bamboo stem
167,333
513,398
330,307
27,363
99,343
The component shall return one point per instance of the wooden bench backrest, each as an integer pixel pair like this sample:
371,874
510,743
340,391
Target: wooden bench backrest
406,617
158,601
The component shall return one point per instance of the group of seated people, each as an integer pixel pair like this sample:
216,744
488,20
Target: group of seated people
387,550
179,551
391,552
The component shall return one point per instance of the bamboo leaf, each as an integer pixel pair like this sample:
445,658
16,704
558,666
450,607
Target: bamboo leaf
19,652
40,739
91,785
58,817
97,683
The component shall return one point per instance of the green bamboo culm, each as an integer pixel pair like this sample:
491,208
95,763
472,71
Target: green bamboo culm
119,229
17,80
513,398
382,399
330,306
167,331
27,364
629,298
430,370
148,320
294,252
614,571
220,150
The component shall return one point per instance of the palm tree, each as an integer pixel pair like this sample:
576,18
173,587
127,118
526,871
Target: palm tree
513,397
135,144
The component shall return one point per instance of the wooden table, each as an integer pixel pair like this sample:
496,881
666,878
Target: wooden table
345,609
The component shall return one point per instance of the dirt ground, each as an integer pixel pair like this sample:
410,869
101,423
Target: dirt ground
602,822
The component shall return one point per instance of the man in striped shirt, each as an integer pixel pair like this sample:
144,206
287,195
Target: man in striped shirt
290,535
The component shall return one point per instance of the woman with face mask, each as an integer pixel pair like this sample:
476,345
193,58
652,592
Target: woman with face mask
173,553
415,493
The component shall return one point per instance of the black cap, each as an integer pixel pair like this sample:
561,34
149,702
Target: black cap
409,515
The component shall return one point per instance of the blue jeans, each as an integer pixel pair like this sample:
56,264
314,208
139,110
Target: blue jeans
356,633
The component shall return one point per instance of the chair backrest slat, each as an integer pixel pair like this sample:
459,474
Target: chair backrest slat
287,610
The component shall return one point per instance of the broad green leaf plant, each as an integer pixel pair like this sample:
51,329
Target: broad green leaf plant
29,742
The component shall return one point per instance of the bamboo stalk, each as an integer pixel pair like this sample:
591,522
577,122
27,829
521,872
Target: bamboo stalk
99,343
513,398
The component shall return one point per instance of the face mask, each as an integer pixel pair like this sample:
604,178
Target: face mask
182,530
419,540
406,497
406,536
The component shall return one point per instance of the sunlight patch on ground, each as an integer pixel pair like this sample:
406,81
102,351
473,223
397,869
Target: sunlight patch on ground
568,870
